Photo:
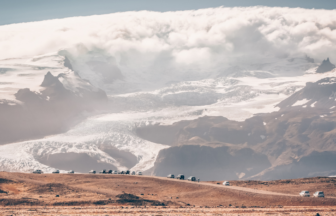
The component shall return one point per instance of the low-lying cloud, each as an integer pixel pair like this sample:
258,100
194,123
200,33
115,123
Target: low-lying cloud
179,43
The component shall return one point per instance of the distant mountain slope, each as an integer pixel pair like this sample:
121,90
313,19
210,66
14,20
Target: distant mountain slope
209,163
49,107
320,94
299,140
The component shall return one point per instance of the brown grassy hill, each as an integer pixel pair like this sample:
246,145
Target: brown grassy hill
21,189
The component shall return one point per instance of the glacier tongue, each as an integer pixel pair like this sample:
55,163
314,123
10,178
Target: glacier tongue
110,129
236,97
118,129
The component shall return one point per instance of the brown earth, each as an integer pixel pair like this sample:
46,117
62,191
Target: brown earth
103,194
21,189
291,186
131,210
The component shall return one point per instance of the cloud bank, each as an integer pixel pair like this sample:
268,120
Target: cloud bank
198,42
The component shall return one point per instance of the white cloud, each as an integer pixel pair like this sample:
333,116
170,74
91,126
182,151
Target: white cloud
207,39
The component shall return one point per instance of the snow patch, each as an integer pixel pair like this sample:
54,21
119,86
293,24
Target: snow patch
300,102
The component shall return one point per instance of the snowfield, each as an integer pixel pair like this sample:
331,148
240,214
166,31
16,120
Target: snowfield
159,68
236,98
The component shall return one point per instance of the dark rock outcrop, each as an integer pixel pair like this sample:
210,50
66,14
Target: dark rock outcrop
209,163
131,199
325,66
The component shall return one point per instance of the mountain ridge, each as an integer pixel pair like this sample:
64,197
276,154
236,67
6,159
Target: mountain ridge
51,110
287,137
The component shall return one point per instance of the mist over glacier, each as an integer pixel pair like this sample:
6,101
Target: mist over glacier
161,68
187,45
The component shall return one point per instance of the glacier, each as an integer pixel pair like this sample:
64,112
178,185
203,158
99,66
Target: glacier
160,68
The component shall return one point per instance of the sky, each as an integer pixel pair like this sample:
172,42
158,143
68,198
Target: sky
18,11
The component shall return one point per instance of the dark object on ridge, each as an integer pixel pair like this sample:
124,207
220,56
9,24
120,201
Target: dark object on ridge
171,176
110,171
325,66
1,191
192,178
103,171
38,171
180,176
127,172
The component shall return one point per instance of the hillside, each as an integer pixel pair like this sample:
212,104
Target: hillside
85,190
296,141
85,194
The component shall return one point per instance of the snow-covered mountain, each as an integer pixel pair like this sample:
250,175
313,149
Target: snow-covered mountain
296,141
41,96
74,92
110,139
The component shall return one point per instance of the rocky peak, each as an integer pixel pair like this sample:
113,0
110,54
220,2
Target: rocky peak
325,66
53,86
50,80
